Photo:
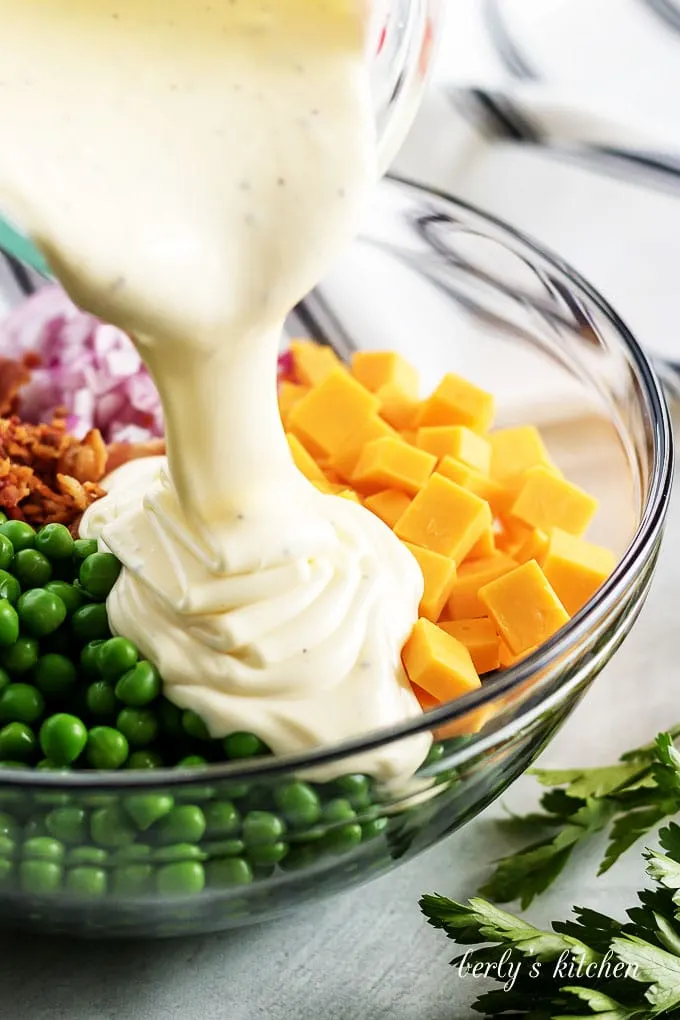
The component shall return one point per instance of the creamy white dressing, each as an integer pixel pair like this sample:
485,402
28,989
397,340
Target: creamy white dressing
191,170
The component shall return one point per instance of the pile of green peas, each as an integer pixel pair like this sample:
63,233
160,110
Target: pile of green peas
73,696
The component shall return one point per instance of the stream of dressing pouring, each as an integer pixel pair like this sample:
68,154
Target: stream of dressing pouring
190,171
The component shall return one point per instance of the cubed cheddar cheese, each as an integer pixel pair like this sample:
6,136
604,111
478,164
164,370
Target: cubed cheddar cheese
438,663
375,369
445,518
484,547
464,602
303,461
576,569
439,575
515,450
547,501
351,495
289,394
388,505
457,402
456,441
313,362
409,436
481,640
390,463
508,658
524,607
472,722
346,457
397,407
481,485
331,412
513,535
534,547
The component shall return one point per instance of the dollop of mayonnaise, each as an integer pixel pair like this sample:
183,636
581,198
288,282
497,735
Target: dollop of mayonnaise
191,171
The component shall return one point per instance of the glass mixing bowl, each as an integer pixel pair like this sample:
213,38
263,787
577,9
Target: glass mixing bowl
454,290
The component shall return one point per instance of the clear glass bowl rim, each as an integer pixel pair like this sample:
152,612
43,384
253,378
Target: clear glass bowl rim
636,556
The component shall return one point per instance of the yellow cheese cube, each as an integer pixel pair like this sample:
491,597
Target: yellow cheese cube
439,575
396,406
481,640
547,501
576,568
390,463
524,607
409,436
457,402
456,441
313,362
484,547
482,485
289,394
464,602
438,663
514,450
346,457
388,505
303,461
375,369
534,547
331,412
508,658
471,722
445,518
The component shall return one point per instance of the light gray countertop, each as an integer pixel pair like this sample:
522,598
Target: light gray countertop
367,955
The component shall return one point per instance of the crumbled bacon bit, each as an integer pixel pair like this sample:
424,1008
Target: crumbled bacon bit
13,375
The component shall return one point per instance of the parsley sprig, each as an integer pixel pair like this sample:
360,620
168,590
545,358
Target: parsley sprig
590,966
629,799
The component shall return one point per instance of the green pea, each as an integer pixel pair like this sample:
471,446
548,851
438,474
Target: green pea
84,547
17,741
5,679
44,848
228,872
170,718
192,761
9,623
342,839
222,819
41,612
8,826
6,873
34,828
91,623
21,703
139,686
10,588
89,658
338,811
110,827
243,745
40,878
133,880
93,855
31,568
184,824
224,847
194,726
356,789
435,754
144,760
262,827
299,803
6,553
55,541
68,824
101,700
54,675
71,596
3,517
267,854
21,656
98,574
107,748
179,852
185,878
20,534
146,808
63,738
115,657
86,882
138,725
373,829
7,847
133,853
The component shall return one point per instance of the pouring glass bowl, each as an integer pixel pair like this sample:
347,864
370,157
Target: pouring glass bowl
452,289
